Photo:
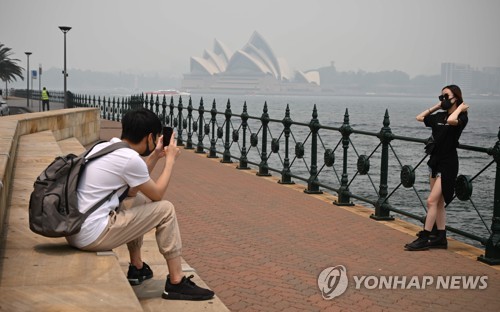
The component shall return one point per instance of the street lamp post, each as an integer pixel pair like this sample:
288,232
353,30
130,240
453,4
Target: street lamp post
28,80
65,29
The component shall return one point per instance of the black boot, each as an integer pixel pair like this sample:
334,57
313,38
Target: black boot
421,243
434,232
439,241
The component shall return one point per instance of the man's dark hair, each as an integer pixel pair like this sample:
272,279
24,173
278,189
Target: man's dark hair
137,124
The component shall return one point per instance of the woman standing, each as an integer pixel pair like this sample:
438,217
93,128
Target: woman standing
446,127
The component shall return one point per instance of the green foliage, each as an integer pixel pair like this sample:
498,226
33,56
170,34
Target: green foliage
9,69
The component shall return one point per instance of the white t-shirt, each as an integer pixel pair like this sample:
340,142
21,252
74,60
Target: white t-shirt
117,170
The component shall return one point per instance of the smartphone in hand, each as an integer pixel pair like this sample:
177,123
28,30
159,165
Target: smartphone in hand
167,134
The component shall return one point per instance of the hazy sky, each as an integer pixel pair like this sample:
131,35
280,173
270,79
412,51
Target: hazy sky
160,35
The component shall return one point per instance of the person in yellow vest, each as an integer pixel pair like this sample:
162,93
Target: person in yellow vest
45,99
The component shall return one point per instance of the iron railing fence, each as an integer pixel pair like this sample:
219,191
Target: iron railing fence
54,96
388,171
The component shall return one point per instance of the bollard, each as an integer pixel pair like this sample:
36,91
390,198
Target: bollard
314,125
492,250
226,156
381,206
344,194
263,167
285,173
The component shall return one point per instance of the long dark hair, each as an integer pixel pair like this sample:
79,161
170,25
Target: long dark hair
456,93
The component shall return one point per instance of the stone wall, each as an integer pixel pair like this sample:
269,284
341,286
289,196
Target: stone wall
81,123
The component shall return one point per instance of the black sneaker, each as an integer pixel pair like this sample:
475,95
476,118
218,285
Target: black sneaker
185,290
136,276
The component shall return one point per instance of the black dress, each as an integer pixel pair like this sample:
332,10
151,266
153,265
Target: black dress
444,157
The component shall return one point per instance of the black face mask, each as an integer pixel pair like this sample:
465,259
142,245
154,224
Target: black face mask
147,152
445,102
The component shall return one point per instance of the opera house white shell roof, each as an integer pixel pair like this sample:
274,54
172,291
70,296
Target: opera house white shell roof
255,58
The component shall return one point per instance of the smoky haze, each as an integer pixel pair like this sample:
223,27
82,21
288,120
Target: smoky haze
160,36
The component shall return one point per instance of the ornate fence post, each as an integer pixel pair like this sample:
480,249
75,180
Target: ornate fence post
212,152
385,136
171,114
199,146
101,114
180,124
226,156
113,110
344,197
164,111
106,108
144,102
314,125
244,124
189,142
119,111
156,108
285,174
492,250
263,168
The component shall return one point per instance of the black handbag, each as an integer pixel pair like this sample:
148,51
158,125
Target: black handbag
430,144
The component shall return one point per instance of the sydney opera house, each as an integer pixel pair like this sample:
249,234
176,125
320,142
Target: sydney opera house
254,69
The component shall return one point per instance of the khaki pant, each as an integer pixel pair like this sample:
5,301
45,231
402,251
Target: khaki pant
135,217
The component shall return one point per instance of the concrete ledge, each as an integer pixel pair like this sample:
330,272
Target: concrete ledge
46,274
81,123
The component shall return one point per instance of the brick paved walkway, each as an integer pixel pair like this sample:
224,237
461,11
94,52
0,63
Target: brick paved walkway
261,246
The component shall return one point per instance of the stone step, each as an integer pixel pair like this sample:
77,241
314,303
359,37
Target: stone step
149,292
45,274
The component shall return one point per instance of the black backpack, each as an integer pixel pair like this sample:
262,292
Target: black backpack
53,206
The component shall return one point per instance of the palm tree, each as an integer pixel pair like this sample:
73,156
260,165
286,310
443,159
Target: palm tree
8,67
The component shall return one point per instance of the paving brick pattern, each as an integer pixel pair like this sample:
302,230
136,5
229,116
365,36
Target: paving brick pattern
261,246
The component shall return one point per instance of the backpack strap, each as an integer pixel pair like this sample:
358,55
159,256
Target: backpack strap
104,151
98,204
108,149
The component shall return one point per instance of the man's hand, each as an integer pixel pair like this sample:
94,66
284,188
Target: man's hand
159,150
171,151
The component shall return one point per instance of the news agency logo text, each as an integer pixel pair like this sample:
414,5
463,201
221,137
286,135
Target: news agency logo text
333,282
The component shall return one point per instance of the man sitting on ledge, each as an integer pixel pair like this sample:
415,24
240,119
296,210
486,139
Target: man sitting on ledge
128,215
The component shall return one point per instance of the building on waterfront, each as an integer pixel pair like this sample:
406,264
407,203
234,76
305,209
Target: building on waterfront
455,73
472,81
253,69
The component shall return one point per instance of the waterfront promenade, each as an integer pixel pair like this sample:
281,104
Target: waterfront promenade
261,245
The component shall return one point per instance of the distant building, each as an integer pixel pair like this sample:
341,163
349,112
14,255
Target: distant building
254,69
459,74
472,81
